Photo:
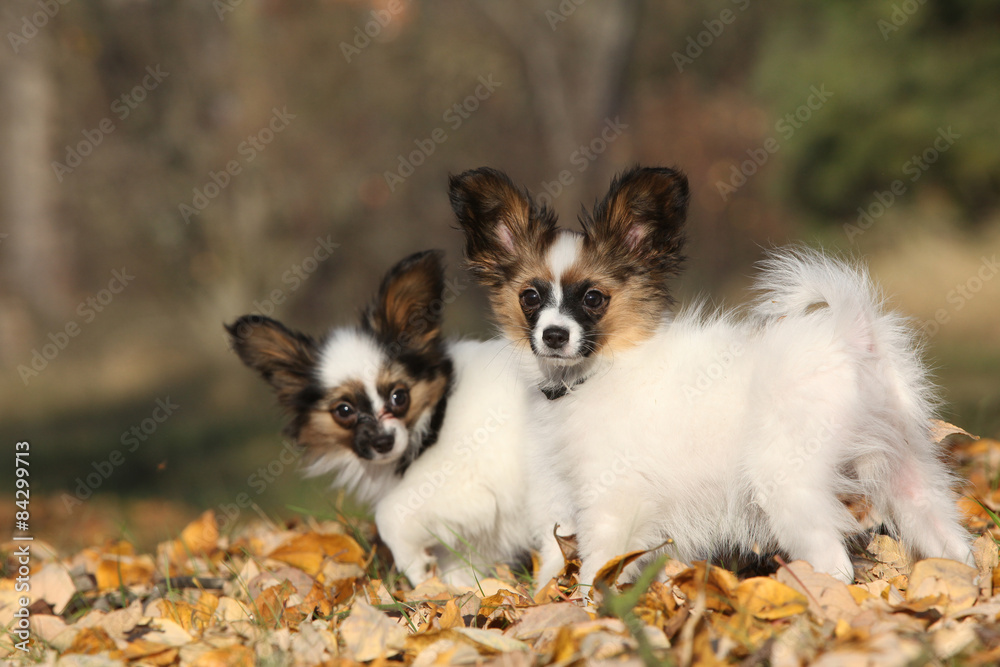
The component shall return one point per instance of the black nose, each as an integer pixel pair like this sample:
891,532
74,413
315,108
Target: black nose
383,443
555,337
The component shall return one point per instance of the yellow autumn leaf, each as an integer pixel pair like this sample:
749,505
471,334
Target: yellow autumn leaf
91,641
121,571
451,616
940,576
270,604
230,656
719,585
768,599
200,536
609,574
150,652
307,552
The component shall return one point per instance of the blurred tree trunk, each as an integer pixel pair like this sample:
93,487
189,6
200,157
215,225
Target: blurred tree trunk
574,65
36,266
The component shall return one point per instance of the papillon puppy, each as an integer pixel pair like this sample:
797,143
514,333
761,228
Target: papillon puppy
431,433
700,432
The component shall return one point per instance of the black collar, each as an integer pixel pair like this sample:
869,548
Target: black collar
553,393
433,429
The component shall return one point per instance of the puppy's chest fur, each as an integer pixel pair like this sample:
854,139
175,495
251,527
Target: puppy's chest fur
663,433
472,480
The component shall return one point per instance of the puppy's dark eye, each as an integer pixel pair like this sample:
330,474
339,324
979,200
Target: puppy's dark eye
594,299
530,300
344,414
399,401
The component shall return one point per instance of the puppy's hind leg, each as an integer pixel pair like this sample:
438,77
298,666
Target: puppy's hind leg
805,525
795,488
922,507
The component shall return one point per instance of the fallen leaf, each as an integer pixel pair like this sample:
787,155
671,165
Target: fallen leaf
940,576
768,599
828,598
150,652
53,630
718,584
369,634
889,551
307,552
53,584
313,644
942,430
200,536
451,617
492,640
229,656
166,631
117,571
534,620
120,622
270,604
609,573
91,641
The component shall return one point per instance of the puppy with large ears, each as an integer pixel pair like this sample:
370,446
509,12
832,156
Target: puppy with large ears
574,297
708,432
430,432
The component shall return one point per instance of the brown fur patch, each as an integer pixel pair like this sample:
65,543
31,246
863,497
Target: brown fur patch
407,312
319,433
424,394
505,299
284,358
636,305
632,244
500,223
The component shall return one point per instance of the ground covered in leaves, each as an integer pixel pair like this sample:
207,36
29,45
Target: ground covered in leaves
314,593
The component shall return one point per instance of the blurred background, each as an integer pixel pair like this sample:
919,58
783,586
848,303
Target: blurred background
169,166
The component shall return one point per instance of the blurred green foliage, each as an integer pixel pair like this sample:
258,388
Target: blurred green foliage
900,70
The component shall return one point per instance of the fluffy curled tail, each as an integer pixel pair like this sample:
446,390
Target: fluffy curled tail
894,459
799,281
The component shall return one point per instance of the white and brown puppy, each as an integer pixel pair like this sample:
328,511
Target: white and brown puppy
715,431
431,433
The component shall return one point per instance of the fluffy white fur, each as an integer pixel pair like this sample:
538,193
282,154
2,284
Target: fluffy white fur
726,431
460,501
463,503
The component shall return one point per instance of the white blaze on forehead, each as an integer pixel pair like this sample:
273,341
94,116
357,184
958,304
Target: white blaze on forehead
563,254
350,356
